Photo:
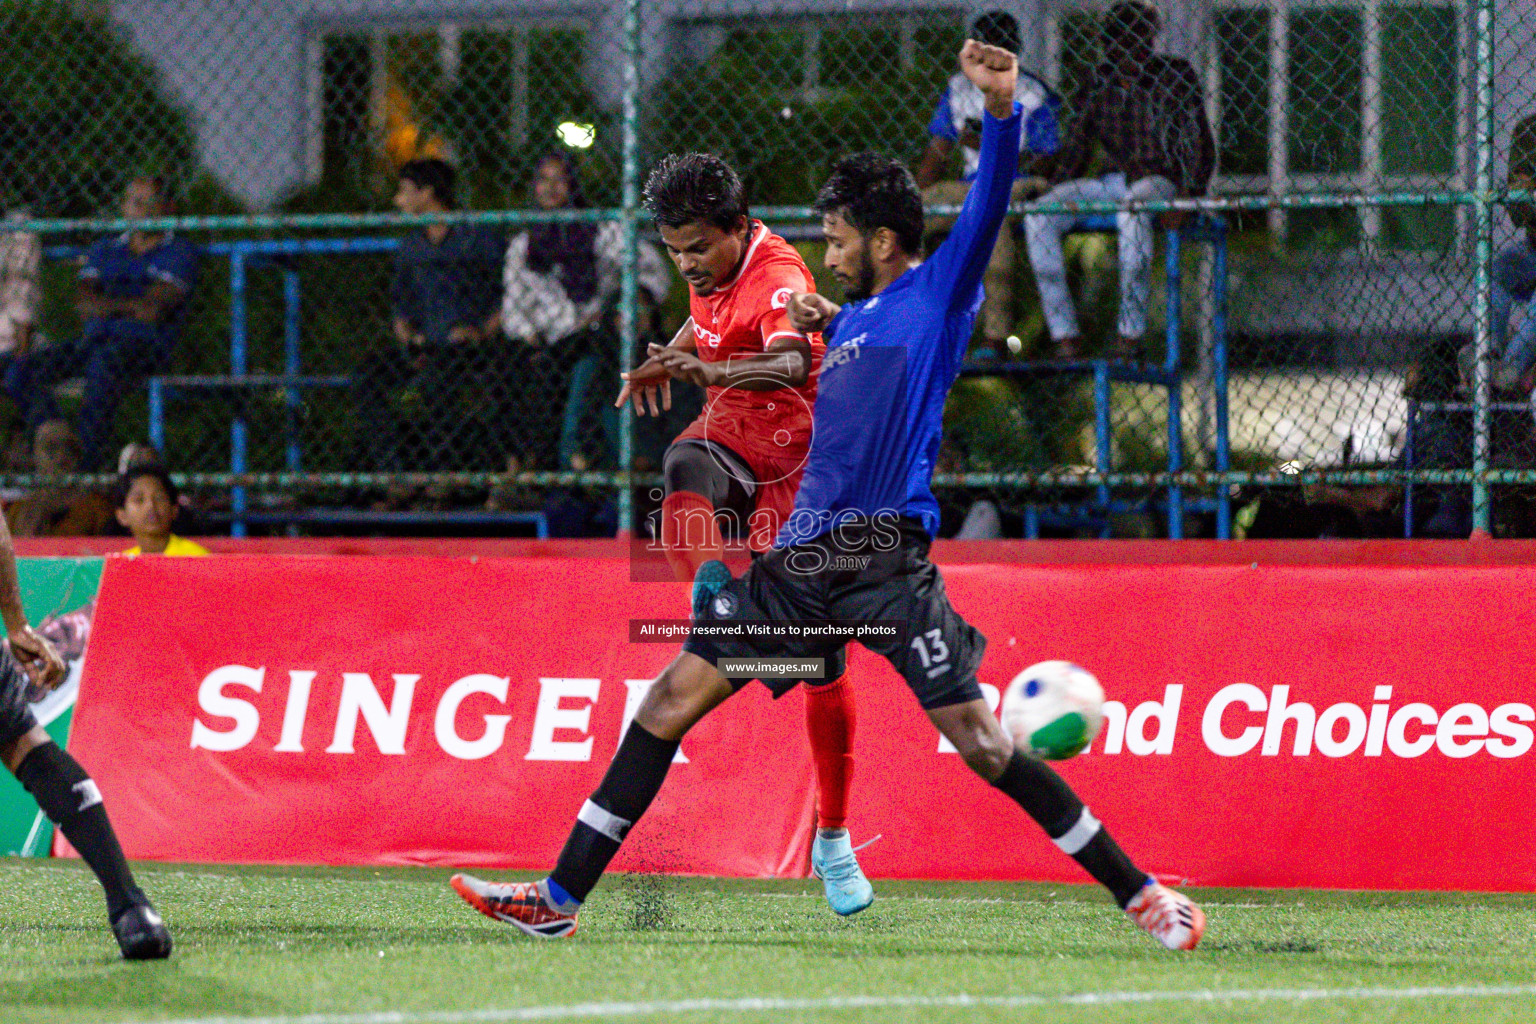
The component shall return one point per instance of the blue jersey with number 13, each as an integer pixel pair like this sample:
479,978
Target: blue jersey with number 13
890,362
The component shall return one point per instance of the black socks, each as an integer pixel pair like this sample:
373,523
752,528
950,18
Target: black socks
631,783
73,803
1047,798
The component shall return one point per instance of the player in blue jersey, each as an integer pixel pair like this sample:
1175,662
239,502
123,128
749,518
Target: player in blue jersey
855,549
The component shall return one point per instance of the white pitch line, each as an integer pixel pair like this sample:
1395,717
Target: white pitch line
576,1011
1028,900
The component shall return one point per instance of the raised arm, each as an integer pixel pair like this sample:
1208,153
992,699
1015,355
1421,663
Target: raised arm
957,267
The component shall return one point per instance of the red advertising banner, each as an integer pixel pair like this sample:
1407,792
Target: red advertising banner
1293,725
409,711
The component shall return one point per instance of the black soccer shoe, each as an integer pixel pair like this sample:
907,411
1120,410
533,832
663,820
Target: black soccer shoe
141,935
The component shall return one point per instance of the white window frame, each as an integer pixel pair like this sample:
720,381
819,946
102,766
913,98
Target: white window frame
811,25
450,35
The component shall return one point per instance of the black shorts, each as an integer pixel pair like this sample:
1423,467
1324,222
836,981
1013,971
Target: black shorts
16,718
853,576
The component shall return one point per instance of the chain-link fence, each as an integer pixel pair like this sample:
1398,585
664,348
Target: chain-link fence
1264,276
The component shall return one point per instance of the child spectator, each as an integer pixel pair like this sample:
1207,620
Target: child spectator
146,505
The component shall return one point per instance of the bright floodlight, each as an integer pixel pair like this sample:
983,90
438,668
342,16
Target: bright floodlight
577,136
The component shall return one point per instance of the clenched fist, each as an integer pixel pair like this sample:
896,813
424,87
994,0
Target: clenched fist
810,312
994,71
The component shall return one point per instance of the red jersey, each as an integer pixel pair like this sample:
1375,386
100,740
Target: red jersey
770,430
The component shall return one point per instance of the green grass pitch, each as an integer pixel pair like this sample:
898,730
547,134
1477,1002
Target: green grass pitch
354,946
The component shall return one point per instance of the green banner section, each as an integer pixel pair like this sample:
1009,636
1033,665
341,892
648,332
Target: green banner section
59,595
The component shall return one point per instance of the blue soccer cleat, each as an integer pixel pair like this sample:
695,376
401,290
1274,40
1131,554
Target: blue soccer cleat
712,576
833,861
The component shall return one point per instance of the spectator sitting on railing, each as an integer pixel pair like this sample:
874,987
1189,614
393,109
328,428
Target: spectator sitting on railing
20,260
957,119
1514,278
132,293
559,283
58,511
1145,110
443,304
147,501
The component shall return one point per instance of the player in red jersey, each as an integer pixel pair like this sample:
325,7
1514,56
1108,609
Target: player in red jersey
739,463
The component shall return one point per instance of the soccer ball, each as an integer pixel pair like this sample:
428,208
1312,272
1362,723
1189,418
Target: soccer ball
1054,709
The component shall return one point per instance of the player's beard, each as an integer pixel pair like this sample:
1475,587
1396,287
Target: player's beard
864,286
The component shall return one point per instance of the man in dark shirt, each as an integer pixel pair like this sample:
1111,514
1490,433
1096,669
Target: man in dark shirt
133,290
1514,278
445,302
1146,112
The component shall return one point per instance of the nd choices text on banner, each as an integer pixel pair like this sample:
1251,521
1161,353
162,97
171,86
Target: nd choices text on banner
1338,726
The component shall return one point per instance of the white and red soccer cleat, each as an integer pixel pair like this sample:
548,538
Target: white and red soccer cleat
1170,917
521,904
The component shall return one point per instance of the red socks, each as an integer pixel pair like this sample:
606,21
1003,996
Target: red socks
689,534
829,722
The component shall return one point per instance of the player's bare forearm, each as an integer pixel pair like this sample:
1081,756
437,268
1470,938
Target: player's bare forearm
37,657
685,339
786,364
10,584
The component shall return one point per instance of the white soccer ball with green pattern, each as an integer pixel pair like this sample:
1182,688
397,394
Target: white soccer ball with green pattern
1053,710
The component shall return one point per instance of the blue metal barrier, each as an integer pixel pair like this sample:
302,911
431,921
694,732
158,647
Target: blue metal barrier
1169,376
245,256
249,255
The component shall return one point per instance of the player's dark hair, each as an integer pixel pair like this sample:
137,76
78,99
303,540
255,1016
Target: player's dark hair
1130,20
997,28
685,187
125,482
437,175
872,192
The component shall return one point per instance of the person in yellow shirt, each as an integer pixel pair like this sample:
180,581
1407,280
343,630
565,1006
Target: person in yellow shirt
146,506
